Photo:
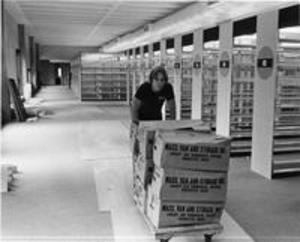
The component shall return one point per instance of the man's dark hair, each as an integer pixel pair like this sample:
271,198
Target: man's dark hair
155,71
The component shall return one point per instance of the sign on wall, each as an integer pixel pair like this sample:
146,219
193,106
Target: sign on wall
265,62
224,63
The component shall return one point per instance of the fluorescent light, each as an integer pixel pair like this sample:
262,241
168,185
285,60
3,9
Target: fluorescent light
156,53
188,48
292,33
170,51
245,40
212,44
289,45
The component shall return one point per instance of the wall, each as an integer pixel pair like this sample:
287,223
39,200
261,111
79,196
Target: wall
9,46
11,42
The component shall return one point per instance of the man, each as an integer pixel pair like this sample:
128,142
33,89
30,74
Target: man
150,97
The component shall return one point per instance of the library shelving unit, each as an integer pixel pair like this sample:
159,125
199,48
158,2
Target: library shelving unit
104,81
186,87
241,113
209,85
286,143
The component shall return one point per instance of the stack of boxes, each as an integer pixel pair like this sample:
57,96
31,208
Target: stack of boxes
180,173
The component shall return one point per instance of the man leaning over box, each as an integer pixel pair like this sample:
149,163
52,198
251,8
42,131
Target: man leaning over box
150,97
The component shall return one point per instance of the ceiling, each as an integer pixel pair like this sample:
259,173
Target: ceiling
86,22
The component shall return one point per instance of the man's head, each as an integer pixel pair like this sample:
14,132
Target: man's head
158,78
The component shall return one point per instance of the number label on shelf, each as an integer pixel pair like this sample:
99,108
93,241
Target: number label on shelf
265,63
177,65
224,63
197,65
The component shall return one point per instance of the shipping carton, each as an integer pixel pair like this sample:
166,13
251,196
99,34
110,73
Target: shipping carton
163,214
146,132
184,185
191,150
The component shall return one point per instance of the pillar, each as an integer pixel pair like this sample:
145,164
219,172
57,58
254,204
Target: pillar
224,79
264,94
177,74
197,74
21,36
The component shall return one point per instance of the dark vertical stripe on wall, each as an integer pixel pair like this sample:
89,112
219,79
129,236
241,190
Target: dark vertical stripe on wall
170,43
244,26
289,17
137,51
187,39
156,46
211,34
146,49
5,98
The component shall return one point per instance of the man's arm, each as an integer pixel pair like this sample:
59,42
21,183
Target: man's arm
171,105
136,104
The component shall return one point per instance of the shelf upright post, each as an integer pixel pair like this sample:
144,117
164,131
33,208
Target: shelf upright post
163,53
150,57
224,79
134,61
197,74
264,94
162,62
127,77
177,74
80,75
142,65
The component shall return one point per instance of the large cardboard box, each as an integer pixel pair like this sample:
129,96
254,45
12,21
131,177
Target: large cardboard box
147,129
191,150
164,214
184,185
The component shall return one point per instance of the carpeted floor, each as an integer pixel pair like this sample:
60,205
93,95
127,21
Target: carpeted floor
269,210
56,192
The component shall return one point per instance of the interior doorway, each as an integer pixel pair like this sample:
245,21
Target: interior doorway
58,74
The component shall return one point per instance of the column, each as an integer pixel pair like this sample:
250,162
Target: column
197,75
162,51
142,66
264,94
128,78
177,74
21,36
134,71
224,79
